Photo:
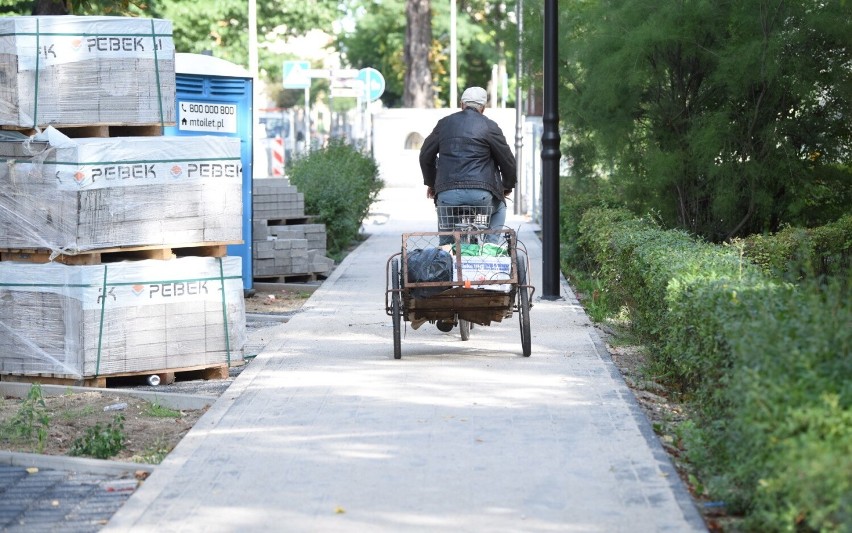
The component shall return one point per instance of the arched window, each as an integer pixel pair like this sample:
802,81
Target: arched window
414,141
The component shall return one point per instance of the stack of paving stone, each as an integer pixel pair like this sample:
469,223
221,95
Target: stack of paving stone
75,195
286,245
86,201
67,70
121,318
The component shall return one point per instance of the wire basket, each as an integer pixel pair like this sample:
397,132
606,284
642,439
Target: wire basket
464,217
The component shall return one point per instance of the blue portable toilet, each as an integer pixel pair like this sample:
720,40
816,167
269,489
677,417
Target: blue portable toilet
214,97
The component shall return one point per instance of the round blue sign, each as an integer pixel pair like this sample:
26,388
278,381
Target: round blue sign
373,83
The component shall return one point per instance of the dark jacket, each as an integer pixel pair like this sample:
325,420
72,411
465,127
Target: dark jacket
467,150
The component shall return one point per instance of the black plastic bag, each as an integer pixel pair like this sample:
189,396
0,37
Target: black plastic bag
429,264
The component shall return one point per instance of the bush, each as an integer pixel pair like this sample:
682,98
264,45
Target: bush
765,365
796,253
339,184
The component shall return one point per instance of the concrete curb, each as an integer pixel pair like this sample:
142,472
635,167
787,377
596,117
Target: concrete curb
75,464
166,399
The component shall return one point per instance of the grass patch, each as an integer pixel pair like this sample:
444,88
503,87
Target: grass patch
158,411
154,454
76,414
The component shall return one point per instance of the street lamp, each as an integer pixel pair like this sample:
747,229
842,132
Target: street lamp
550,156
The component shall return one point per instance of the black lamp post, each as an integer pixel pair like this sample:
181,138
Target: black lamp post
550,156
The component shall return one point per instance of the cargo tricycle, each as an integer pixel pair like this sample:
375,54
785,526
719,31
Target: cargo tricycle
462,275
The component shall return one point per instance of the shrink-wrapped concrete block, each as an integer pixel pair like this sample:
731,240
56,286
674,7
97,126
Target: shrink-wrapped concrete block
75,195
70,70
129,317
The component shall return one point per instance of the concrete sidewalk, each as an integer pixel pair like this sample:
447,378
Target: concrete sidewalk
325,431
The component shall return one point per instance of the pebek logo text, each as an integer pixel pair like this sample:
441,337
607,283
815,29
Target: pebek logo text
134,171
115,44
177,288
213,170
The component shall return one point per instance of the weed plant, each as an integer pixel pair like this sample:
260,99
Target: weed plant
101,442
32,421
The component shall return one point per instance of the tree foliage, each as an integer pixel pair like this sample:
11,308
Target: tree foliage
727,118
482,25
71,7
222,26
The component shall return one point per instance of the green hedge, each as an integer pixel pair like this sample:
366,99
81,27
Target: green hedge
340,184
795,253
765,364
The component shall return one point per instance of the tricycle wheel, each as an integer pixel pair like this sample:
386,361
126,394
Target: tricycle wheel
464,328
444,326
396,311
524,308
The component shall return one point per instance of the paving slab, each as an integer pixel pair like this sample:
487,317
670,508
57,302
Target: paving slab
39,499
325,431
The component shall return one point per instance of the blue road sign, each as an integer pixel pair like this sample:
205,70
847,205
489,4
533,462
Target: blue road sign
374,83
296,74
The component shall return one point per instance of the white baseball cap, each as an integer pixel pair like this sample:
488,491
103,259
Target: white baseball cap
474,95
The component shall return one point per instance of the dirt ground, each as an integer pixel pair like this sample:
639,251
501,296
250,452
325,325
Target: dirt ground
150,431
281,301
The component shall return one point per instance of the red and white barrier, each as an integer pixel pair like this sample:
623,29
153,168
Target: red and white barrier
278,157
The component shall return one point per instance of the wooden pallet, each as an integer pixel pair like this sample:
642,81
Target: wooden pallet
288,221
212,372
99,130
115,254
290,278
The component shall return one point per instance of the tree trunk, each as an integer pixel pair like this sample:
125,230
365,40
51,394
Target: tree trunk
419,91
50,7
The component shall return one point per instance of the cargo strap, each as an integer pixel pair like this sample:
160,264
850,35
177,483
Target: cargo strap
101,326
157,74
225,312
38,56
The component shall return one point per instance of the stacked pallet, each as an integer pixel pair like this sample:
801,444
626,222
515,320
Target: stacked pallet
75,195
120,318
286,245
90,191
67,70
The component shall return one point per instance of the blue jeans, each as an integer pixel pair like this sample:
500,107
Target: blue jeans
478,197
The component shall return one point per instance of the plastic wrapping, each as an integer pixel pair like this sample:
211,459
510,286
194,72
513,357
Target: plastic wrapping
127,317
70,70
429,265
73,195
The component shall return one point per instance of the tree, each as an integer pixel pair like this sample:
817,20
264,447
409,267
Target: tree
477,46
68,7
50,7
418,90
725,118
221,27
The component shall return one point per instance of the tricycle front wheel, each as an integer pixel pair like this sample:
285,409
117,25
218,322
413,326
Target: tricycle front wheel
524,308
464,328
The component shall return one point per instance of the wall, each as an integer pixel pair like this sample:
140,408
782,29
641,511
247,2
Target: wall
399,166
